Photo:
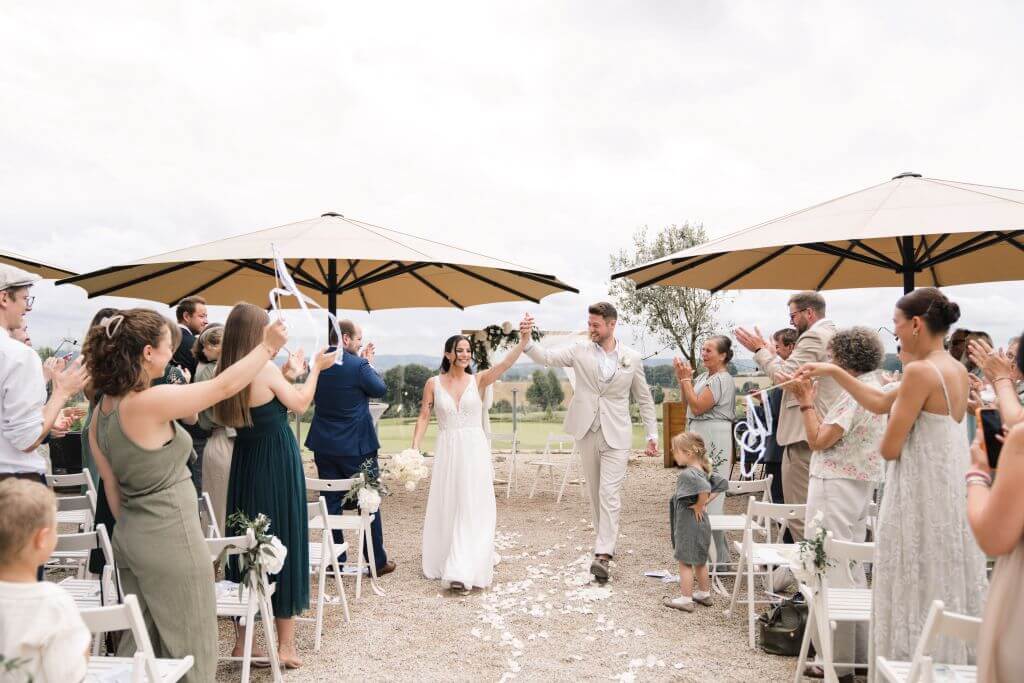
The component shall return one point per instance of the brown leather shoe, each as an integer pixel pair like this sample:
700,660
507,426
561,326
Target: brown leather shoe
388,567
599,567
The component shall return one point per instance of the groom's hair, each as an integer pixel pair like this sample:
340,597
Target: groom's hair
603,309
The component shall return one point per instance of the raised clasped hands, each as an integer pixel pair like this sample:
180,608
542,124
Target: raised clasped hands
525,330
682,369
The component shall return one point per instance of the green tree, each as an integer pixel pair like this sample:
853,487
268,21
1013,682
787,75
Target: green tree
555,391
394,379
681,317
502,406
661,375
414,378
539,391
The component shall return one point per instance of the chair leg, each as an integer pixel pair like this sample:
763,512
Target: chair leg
250,617
736,585
805,646
750,605
270,631
536,476
373,560
321,585
565,481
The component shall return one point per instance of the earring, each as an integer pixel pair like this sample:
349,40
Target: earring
915,333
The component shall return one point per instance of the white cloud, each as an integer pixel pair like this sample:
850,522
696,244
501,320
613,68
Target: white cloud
541,132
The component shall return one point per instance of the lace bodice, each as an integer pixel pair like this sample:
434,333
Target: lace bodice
458,413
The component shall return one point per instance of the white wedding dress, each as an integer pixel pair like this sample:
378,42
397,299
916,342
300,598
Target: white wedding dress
458,531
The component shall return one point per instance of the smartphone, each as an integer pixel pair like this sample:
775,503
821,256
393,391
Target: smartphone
991,426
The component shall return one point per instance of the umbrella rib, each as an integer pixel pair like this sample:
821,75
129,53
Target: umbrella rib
266,270
351,269
973,245
96,273
143,278
875,252
211,283
926,248
438,291
11,256
491,282
949,183
369,280
749,269
298,267
935,245
675,271
836,251
830,273
543,279
320,267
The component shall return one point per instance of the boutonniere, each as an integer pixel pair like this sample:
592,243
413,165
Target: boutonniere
624,362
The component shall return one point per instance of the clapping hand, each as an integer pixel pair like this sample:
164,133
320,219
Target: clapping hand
369,352
275,336
71,379
684,372
324,360
296,365
752,341
994,363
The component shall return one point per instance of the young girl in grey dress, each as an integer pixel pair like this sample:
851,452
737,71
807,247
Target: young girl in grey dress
698,485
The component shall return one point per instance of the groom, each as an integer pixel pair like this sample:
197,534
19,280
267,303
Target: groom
598,418
342,436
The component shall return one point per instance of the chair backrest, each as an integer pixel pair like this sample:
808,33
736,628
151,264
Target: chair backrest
208,517
559,440
941,623
72,503
318,509
227,546
125,617
781,513
331,485
83,478
762,486
848,551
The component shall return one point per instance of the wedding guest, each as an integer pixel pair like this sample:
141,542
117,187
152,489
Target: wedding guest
1001,372
925,550
20,334
192,319
141,452
784,341
846,467
710,410
976,378
216,456
697,486
42,635
958,343
996,514
26,416
266,468
807,315
342,435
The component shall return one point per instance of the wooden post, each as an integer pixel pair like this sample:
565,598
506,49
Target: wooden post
673,421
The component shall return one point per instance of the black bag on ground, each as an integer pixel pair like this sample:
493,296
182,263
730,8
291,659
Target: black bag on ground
781,628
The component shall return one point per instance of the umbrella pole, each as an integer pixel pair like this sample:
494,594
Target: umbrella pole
332,295
907,247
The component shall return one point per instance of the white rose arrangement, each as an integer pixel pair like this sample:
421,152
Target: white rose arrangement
809,559
406,469
268,554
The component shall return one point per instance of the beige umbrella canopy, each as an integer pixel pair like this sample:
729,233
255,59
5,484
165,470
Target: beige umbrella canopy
339,262
44,270
907,231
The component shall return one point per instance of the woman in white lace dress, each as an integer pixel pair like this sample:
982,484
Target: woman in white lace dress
458,530
924,550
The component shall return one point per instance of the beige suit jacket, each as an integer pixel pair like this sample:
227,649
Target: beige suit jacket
811,347
607,401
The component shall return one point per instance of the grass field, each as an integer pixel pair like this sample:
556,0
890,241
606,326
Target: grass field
396,432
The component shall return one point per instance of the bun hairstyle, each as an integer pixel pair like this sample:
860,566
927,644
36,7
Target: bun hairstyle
689,442
449,347
113,349
723,345
932,306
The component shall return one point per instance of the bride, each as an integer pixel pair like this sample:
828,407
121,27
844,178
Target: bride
458,531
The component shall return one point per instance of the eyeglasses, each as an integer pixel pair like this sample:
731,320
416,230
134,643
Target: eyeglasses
792,315
12,293
29,300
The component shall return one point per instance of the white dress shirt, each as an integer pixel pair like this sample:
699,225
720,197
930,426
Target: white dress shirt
607,361
22,396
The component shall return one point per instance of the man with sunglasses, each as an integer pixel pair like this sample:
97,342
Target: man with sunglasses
26,417
807,315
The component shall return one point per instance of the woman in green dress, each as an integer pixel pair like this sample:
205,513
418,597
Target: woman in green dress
141,453
266,468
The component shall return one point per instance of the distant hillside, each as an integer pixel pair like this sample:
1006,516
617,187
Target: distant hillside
523,370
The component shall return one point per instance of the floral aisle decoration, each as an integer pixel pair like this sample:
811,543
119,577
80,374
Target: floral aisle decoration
493,337
810,560
406,469
268,554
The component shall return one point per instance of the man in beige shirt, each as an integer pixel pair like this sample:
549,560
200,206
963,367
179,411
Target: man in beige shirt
807,315
607,374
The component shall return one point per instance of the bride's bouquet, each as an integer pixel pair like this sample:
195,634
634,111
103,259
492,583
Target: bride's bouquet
406,469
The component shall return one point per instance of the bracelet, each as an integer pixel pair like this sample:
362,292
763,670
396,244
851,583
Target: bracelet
806,408
978,482
1004,377
687,379
978,475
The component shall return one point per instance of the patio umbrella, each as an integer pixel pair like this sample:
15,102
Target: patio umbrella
44,270
340,262
909,231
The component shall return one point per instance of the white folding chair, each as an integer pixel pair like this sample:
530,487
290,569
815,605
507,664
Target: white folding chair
242,602
76,508
510,480
922,668
358,521
726,523
831,606
79,515
759,559
320,553
207,517
89,593
144,666
560,453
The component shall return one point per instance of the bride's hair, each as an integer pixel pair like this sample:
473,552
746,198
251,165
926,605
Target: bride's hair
449,347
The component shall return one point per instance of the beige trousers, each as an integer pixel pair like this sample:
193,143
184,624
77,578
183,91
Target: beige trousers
796,465
605,469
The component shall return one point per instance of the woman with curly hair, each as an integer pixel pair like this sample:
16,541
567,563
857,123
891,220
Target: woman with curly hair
846,466
141,453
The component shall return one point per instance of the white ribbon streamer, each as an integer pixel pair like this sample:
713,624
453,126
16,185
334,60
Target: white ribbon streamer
286,287
753,434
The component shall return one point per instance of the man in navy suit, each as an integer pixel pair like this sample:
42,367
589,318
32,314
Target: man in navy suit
342,436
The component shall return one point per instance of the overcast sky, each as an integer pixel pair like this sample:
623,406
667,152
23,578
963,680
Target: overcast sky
542,132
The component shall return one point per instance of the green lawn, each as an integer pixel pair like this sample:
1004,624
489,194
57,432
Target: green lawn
396,432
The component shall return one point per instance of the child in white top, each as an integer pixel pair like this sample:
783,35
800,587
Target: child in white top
42,636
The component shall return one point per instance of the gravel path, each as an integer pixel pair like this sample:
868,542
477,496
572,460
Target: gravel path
542,619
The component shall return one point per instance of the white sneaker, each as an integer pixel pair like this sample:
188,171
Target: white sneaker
782,578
